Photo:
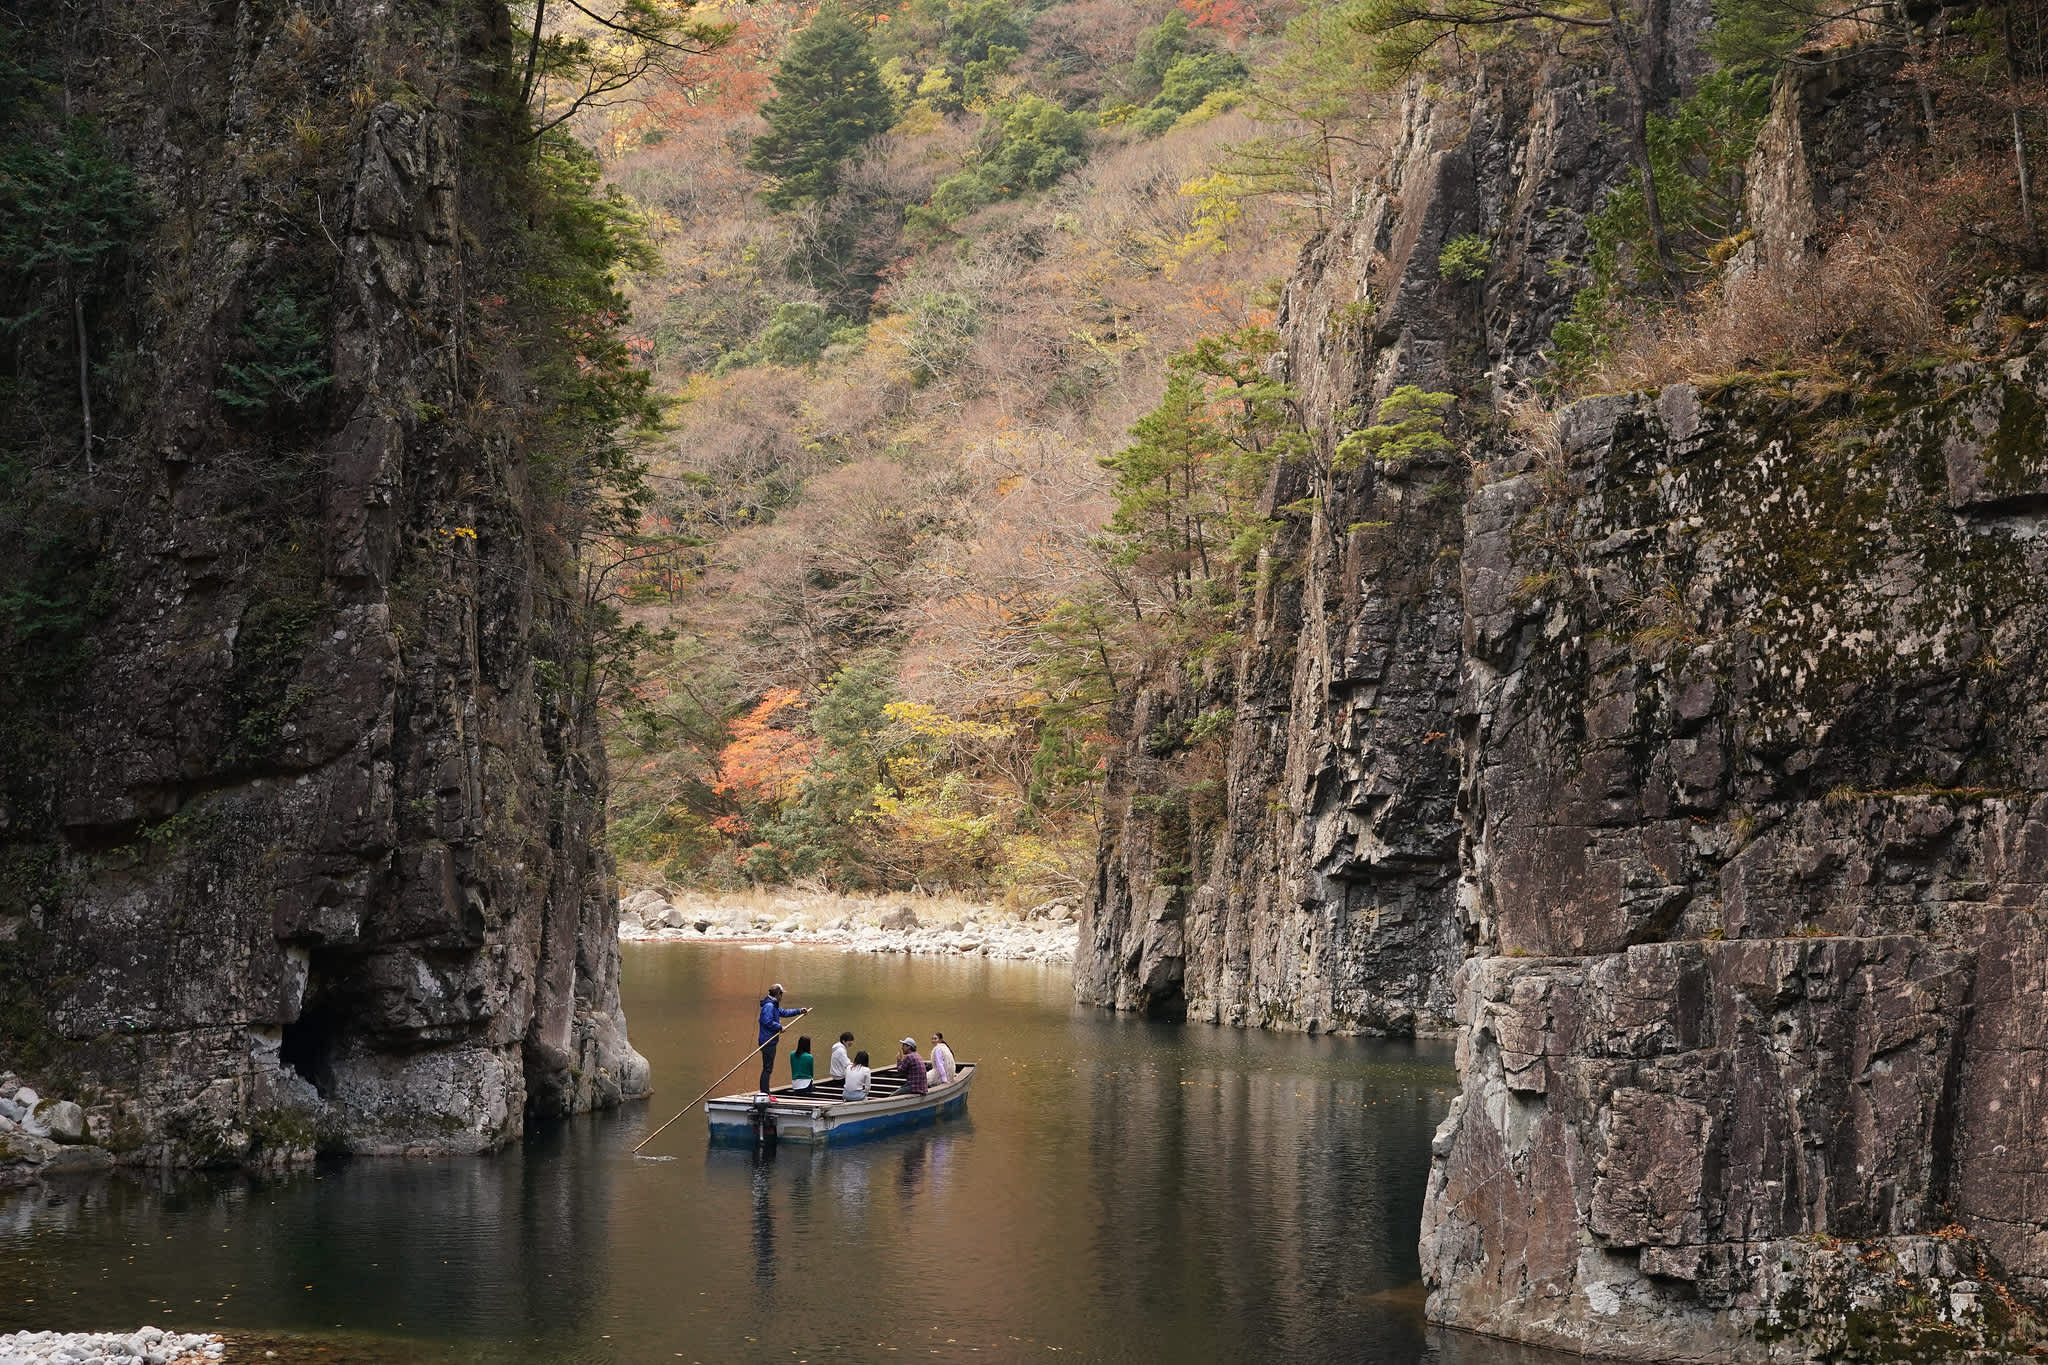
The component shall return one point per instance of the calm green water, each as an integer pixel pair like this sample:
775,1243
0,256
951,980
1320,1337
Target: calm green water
1118,1191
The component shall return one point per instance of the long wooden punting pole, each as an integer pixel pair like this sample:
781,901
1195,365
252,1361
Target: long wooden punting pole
707,1091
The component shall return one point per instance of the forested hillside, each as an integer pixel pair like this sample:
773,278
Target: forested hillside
921,275
966,315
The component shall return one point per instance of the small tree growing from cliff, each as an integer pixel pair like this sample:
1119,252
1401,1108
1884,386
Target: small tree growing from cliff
1410,425
1323,126
67,212
1188,484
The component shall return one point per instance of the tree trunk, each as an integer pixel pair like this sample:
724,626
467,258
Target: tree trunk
84,372
1639,72
540,14
2019,155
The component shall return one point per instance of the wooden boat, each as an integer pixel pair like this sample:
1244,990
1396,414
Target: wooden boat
821,1115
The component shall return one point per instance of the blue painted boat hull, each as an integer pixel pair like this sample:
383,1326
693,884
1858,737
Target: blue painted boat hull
783,1116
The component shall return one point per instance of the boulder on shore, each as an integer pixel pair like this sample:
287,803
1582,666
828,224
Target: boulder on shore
899,917
62,1120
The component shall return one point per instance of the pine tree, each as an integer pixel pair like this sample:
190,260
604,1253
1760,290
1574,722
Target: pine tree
829,100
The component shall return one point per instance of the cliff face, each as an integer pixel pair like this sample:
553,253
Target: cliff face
1320,889
1758,848
315,856
1693,759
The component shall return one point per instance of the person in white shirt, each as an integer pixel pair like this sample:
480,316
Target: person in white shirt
857,1078
942,1060
839,1062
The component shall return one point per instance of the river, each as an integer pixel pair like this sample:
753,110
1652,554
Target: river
1117,1191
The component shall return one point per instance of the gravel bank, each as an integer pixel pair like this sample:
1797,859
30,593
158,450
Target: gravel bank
1044,933
147,1346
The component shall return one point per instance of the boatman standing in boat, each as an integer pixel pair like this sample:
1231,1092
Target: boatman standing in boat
772,1015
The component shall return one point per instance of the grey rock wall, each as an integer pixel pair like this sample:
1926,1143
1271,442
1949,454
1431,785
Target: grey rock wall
1693,760
323,852
1758,850
1311,881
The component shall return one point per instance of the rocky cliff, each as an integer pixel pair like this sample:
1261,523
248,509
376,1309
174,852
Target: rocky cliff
1319,888
1758,845
304,839
1691,758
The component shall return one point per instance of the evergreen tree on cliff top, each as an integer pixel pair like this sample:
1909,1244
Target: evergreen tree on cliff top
829,100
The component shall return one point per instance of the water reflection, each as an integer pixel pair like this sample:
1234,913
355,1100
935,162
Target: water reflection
509,1246
1118,1190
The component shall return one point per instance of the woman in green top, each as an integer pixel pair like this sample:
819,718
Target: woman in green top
800,1063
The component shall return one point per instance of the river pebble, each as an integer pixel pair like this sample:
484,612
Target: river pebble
148,1346
1047,932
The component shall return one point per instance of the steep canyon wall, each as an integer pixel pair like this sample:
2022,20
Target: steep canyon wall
1692,763
306,852
1318,887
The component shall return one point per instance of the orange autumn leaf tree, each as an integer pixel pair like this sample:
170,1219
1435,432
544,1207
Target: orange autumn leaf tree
765,760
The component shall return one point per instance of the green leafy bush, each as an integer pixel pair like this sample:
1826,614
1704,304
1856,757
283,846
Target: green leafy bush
1465,259
1189,81
1031,142
798,334
1160,46
1193,78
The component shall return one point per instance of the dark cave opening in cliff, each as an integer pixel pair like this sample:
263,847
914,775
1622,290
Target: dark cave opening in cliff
310,1040
1169,1006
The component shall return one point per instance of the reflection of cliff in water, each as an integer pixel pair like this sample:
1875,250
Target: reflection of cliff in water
508,1245
1284,1196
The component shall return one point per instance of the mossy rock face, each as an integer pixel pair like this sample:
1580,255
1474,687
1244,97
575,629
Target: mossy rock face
1927,1300
276,744
263,690
1746,607
1757,782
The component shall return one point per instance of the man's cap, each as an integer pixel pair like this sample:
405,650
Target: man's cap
910,1042
775,989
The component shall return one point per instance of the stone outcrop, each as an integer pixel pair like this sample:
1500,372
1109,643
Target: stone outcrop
1691,755
1757,850
1300,869
319,860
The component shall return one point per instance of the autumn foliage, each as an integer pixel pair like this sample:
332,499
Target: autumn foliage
765,762
904,609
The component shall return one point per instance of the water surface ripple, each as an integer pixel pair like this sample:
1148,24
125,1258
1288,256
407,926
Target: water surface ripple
1118,1191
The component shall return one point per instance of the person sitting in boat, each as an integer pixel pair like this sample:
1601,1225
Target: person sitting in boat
800,1065
943,1068
911,1067
840,1063
772,1015
857,1075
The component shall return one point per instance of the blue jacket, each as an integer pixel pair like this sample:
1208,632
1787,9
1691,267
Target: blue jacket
772,1016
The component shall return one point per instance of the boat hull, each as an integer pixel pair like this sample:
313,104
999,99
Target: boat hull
784,1117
